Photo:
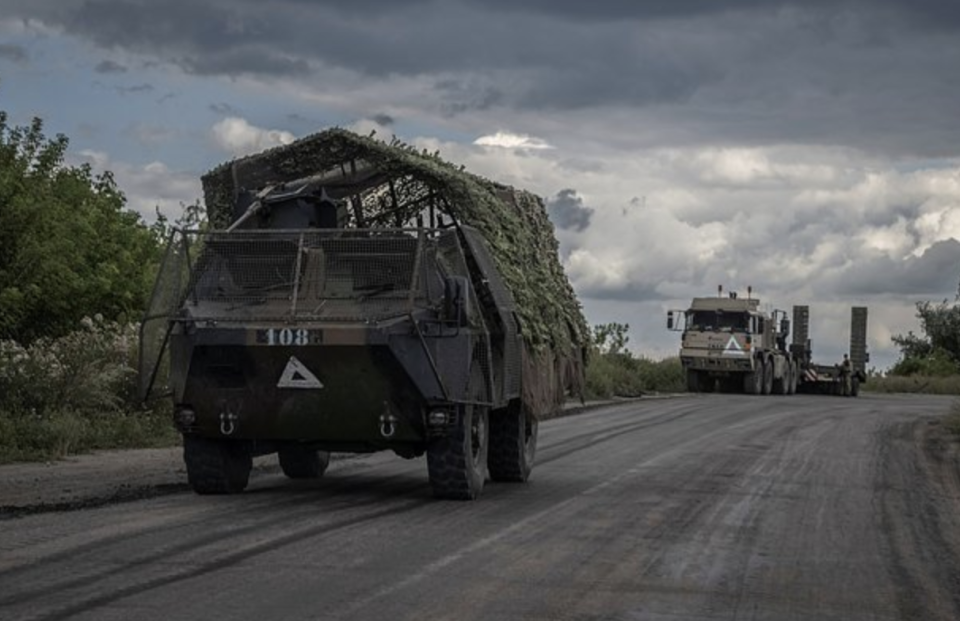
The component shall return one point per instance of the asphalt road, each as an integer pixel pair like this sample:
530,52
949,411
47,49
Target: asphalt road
719,507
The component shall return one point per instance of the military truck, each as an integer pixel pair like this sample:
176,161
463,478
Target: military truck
352,295
730,344
829,378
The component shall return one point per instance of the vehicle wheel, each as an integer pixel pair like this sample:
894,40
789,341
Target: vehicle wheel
854,386
457,462
298,462
513,445
216,466
768,377
753,381
693,381
781,385
794,371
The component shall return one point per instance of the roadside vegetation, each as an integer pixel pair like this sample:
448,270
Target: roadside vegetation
930,361
614,371
75,270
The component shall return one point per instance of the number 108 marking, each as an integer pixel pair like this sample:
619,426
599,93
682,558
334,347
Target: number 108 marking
286,336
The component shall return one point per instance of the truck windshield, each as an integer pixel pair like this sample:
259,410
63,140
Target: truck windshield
716,320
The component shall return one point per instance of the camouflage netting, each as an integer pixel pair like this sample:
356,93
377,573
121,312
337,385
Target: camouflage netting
393,184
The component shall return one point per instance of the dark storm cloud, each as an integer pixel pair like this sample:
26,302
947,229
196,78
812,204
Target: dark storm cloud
109,66
384,120
250,59
16,53
568,212
933,272
459,96
873,75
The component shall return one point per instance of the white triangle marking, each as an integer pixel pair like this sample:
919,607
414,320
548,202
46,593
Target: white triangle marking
733,348
296,375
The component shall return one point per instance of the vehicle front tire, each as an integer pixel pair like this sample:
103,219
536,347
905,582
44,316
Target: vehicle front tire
753,381
513,445
457,462
216,466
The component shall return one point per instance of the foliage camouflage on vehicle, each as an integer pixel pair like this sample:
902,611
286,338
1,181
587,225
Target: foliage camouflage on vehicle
393,183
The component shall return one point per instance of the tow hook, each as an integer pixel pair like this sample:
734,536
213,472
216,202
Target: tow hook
388,425
228,423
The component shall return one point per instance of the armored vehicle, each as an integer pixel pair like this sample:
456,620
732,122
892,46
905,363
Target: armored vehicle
352,295
730,344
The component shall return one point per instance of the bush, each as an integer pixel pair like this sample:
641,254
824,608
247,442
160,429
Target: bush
937,363
620,374
73,394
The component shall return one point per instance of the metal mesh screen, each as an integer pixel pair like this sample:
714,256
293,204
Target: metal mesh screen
351,275
509,344
164,302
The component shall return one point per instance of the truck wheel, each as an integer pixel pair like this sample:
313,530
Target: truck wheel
781,385
794,370
298,462
768,377
457,462
854,386
513,445
753,381
216,466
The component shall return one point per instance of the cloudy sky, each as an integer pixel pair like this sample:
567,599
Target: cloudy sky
807,148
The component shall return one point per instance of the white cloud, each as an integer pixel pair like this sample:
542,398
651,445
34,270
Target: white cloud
506,140
149,187
238,137
829,228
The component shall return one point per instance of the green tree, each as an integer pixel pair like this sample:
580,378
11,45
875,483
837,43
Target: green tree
937,350
68,246
611,338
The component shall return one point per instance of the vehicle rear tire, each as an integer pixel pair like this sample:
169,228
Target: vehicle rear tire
781,385
794,377
216,466
298,462
513,445
854,386
457,462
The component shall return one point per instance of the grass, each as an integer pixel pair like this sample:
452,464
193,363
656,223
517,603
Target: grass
936,385
55,435
623,375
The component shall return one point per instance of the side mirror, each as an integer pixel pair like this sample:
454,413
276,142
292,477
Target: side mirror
669,320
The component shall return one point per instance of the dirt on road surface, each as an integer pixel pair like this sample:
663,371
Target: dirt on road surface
717,507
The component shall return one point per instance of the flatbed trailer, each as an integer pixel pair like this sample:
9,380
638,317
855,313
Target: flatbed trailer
816,378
